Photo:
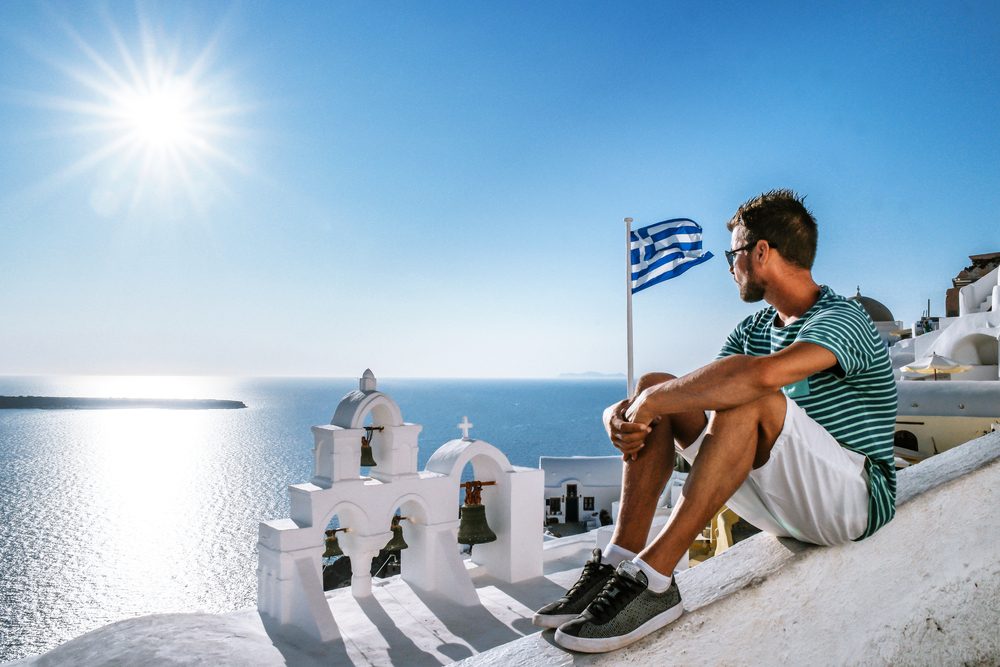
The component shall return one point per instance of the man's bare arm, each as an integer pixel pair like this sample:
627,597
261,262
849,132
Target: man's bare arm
730,382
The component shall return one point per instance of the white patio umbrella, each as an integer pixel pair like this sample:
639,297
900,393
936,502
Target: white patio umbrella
935,364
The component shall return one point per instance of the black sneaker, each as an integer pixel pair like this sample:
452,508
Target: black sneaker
595,574
624,612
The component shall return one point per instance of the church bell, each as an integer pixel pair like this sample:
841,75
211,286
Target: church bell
397,543
473,528
367,460
332,545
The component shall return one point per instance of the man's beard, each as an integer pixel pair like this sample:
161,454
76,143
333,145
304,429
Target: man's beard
751,291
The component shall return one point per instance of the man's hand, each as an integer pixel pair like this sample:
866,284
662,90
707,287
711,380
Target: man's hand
627,436
638,412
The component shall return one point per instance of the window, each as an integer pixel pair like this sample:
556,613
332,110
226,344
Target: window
555,505
588,503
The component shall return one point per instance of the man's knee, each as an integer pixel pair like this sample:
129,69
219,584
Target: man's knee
650,379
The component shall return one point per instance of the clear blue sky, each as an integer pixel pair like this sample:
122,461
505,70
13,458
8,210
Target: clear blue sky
437,189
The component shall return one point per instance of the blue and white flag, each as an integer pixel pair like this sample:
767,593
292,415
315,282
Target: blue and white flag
664,250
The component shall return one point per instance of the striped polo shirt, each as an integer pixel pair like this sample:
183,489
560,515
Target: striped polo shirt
855,401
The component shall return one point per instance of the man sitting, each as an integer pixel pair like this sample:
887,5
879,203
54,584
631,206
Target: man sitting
818,467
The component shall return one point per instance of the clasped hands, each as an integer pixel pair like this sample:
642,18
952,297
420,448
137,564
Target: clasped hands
628,424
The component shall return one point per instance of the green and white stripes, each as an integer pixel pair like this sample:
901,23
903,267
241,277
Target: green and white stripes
854,401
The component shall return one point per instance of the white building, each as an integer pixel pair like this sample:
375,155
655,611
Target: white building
970,337
577,488
938,413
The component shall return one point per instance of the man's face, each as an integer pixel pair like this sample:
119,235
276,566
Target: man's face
751,289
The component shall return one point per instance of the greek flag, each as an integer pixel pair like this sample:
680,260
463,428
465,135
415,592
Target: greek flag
664,250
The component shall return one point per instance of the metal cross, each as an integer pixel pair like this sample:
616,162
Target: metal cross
464,427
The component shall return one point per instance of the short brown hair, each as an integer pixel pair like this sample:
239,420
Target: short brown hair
781,218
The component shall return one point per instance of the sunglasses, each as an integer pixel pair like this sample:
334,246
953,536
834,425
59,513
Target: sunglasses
731,254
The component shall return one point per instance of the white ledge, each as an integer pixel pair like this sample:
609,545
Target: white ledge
923,590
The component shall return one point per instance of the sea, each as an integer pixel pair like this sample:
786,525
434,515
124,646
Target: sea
108,514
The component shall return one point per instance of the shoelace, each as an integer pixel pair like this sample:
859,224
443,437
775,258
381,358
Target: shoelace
617,593
591,570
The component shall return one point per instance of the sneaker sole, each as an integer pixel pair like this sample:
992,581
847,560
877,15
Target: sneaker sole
604,644
552,620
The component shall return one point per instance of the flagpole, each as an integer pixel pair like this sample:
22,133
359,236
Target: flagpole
628,302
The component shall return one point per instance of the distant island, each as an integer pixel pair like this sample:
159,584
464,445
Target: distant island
591,374
86,403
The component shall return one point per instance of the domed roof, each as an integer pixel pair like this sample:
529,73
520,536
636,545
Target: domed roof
876,310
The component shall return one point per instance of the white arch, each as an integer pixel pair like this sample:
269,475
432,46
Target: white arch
452,456
421,516
355,406
350,513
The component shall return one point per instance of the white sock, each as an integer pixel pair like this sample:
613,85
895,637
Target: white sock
657,582
615,554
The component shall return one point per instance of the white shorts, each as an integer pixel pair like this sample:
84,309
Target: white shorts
811,488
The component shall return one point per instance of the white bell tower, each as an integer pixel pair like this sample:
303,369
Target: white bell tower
289,573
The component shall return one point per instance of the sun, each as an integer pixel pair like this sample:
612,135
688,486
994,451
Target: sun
160,124
163,118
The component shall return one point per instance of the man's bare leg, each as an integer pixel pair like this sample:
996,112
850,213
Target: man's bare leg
644,478
738,440
642,483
